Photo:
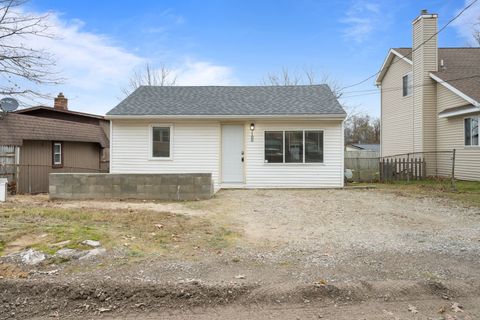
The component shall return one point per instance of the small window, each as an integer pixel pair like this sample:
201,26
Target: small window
471,131
407,84
274,146
299,146
160,142
57,156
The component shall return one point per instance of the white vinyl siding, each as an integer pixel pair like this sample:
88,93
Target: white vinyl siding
195,148
451,135
295,175
397,112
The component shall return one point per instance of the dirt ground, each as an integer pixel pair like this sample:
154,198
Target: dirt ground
290,253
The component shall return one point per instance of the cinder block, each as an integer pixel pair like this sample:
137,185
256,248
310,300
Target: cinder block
171,179
185,179
187,188
52,189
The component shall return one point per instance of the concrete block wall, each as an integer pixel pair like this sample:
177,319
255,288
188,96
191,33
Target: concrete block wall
188,186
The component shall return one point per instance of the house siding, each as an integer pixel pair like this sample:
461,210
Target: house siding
425,60
36,162
450,135
268,175
197,149
397,112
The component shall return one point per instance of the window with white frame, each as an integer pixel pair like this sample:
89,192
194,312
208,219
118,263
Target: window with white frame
294,146
57,156
471,131
407,84
161,141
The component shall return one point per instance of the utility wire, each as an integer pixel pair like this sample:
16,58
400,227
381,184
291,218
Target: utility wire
359,93
414,49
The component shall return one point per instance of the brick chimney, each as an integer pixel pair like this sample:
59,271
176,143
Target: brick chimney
425,61
60,102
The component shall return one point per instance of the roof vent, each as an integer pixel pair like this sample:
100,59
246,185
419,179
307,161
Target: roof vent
442,64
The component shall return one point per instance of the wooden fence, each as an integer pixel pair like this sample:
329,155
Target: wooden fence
417,166
402,169
364,165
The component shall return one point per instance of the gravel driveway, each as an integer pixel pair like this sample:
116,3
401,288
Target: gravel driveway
352,245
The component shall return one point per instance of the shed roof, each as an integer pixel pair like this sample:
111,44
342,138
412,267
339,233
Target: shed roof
15,128
51,109
229,101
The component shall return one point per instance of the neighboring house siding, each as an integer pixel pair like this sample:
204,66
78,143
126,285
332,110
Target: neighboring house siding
397,112
450,135
36,162
329,174
196,148
425,60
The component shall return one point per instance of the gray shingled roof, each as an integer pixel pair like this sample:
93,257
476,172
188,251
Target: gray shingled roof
231,100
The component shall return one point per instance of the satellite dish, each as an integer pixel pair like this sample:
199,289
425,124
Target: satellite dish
8,104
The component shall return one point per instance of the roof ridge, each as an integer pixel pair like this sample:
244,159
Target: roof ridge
238,86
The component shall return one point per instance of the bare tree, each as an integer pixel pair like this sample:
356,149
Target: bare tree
23,67
358,127
148,76
361,128
307,76
476,31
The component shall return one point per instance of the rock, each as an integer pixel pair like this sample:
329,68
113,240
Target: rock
93,253
91,243
32,257
70,254
60,244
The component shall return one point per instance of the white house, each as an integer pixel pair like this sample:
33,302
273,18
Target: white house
245,136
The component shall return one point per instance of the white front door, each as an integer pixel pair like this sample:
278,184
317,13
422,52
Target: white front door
232,153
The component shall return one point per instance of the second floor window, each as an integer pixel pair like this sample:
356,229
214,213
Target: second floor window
407,84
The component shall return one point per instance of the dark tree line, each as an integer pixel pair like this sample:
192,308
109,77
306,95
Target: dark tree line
361,128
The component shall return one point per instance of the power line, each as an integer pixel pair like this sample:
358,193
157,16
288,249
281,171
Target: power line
393,89
414,49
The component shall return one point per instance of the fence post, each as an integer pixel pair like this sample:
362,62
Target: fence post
408,167
453,171
29,180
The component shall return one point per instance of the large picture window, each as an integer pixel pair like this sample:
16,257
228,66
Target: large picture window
471,131
161,142
295,146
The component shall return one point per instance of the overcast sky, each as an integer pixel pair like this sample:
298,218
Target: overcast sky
100,43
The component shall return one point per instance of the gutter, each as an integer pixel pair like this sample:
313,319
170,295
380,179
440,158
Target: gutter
337,116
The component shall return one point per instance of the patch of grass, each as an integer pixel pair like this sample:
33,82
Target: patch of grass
142,232
222,238
467,192
2,246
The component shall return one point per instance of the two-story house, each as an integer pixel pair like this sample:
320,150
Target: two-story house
430,102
